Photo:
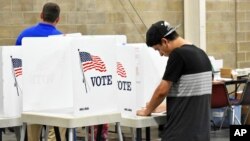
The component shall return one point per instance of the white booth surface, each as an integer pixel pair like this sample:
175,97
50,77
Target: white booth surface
65,118
143,121
126,80
118,39
67,35
150,67
10,122
10,81
65,72
217,64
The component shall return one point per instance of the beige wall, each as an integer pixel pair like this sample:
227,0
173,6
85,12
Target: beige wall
228,31
221,39
228,27
243,33
90,17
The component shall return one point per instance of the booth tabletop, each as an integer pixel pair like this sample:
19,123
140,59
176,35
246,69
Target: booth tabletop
143,121
68,120
10,121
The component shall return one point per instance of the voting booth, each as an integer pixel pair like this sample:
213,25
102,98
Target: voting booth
87,74
10,81
68,35
150,67
145,68
216,63
70,72
126,80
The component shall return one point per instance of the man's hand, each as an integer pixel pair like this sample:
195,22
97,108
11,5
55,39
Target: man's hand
142,112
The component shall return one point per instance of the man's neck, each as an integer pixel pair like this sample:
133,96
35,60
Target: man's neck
54,24
179,42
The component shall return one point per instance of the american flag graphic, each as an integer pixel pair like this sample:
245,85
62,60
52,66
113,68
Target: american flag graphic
91,62
120,70
17,66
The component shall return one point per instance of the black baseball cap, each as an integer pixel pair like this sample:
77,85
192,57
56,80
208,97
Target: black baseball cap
157,31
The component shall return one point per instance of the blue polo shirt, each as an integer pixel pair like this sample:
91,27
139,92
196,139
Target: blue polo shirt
38,30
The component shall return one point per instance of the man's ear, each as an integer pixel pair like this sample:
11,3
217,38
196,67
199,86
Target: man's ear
41,15
164,40
57,20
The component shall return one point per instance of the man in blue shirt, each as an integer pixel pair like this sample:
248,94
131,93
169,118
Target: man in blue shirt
50,18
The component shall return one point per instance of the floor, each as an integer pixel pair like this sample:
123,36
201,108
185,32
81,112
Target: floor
218,135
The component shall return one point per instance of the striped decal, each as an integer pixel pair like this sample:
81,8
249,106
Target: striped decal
192,85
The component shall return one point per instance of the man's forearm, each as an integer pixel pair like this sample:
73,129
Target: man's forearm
155,101
158,96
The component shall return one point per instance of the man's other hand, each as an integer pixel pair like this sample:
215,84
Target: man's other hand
142,112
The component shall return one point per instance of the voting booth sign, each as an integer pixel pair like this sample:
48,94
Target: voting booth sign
10,81
69,72
150,67
95,89
126,80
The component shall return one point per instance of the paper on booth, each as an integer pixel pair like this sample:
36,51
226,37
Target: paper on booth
10,81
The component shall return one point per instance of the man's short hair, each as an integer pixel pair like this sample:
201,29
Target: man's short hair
51,12
159,30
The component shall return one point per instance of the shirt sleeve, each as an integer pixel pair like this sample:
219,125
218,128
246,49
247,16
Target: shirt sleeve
174,67
19,40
